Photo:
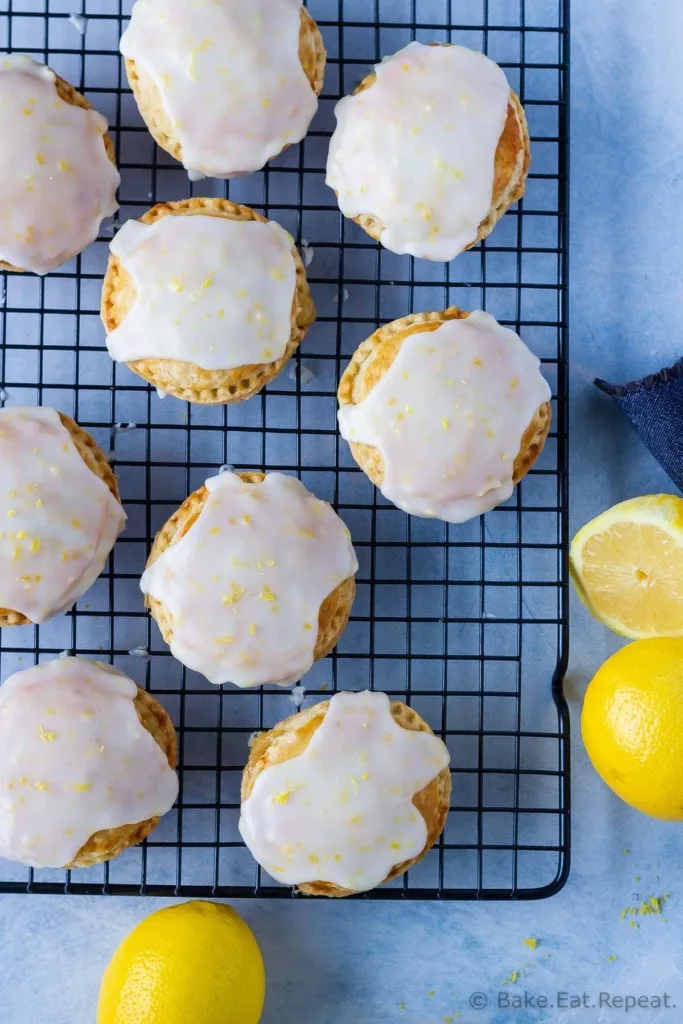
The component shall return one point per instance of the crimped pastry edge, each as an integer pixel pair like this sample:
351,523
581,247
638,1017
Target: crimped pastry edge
188,381
312,55
290,737
334,610
505,191
392,335
97,462
109,843
66,92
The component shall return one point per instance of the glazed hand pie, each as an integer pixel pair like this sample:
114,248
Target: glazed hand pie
445,412
251,580
345,795
87,764
205,299
224,86
430,150
59,179
60,513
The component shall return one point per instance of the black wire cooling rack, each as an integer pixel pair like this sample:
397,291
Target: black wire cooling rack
467,623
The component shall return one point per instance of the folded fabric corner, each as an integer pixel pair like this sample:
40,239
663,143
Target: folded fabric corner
654,405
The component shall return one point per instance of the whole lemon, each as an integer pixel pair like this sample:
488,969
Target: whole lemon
632,725
196,963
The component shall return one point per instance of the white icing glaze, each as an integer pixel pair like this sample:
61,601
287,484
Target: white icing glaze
416,150
245,584
448,417
229,77
74,759
210,291
57,180
58,520
342,811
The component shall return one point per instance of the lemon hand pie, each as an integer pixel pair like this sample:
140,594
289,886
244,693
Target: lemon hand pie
345,795
56,165
430,150
205,299
224,86
252,579
60,513
445,412
87,764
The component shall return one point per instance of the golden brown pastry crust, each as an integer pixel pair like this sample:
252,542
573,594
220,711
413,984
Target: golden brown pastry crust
66,92
187,380
372,359
334,611
511,166
291,737
111,842
95,460
148,98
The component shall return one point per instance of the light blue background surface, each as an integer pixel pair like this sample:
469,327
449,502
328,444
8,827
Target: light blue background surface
337,963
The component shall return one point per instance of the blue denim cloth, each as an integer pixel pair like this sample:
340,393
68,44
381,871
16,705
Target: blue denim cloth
654,405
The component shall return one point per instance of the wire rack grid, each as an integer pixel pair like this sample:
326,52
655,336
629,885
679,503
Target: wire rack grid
466,623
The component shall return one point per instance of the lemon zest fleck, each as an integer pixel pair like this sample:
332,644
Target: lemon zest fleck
283,796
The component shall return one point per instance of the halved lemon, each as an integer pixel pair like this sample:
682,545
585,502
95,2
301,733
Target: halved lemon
628,566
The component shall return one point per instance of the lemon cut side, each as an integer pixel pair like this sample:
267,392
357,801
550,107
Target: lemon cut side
627,565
